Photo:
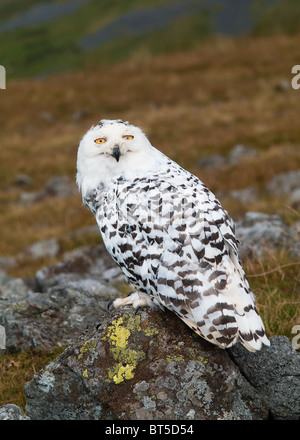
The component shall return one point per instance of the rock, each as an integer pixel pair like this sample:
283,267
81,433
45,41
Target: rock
71,296
295,198
12,412
47,116
78,115
283,85
12,289
61,186
284,184
8,263
274,372
259,233
148,365
86,263
43,248
212,161
240,152
245,195
22,179
237,153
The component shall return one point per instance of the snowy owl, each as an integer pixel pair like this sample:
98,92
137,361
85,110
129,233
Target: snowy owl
168,233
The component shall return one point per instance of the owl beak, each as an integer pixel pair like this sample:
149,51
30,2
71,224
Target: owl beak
116,153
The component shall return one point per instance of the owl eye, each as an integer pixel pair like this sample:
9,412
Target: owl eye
100,141
128,137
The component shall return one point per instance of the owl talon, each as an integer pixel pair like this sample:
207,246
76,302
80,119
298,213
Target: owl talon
109,304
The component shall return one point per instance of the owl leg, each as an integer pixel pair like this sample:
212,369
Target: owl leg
134,299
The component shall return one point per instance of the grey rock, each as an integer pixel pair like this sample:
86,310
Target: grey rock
61,186
86,263
47,116
275,374
71,295
12,412
295,198
12,289
22,179
147,365
43,248
7,263
240,152
284,183
259,233
237,153
245,195
212,161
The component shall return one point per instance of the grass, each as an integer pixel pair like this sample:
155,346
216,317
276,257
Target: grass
196,102
16,369
276,283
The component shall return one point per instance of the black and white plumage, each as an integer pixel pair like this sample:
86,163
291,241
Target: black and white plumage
168,233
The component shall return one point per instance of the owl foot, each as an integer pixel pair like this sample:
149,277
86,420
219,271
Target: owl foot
133,299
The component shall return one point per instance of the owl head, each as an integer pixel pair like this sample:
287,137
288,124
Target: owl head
111,149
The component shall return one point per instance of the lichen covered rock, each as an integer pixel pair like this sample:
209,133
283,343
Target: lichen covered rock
147,365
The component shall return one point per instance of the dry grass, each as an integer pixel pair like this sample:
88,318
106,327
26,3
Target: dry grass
17,369
191,104
276,283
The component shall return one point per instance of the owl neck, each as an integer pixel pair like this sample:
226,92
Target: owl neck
92,174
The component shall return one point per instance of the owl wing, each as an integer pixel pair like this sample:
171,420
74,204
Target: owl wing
177,243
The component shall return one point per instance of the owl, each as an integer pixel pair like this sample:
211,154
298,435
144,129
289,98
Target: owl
169,234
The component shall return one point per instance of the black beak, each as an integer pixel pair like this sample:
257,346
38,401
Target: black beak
116,153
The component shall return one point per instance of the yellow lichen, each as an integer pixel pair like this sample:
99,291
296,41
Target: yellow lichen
124,372
126,358
178,358
118,334
87,346
85,374
151,331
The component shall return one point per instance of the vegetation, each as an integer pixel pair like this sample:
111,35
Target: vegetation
197,100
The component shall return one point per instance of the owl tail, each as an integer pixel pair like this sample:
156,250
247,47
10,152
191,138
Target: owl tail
252,333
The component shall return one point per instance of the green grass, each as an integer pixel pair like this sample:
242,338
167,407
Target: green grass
282,17
53,47
50,48
8,8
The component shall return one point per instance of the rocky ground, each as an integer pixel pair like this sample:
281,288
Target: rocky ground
147,365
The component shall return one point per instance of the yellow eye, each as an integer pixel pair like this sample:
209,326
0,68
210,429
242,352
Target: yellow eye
128,137
100,141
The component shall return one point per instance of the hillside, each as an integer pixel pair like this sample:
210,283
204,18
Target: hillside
41,38
197,98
